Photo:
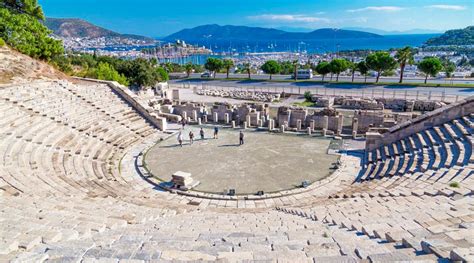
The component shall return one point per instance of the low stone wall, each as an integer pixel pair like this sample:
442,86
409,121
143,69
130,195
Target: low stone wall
133,100
423,122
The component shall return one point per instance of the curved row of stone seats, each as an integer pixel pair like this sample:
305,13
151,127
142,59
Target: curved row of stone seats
411,226
40,137
267,236
445,146
29,222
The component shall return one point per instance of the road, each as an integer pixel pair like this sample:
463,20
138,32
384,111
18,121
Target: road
359,79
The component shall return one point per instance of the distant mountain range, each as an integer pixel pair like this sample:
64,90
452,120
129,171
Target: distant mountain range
73,27
454,37
415,31
369,30
245,33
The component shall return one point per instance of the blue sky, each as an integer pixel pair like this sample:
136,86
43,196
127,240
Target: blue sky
159,18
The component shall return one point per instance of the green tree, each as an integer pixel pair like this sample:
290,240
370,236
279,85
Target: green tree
323,68
404,56
307,96
449,68
380,62
189,69
227,64
247,68
161,74
337,66
363,69
105,71
213,65
271,67
295,64
352,67
28,7
26,34
430,66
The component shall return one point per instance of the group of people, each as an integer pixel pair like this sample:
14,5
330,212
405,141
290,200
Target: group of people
201,133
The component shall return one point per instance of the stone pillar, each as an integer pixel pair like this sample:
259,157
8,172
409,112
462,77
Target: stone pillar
205,118
325,122
309,130
260,123
233,124
185,115
245,125
298,125
195,115
282,128
264,120
339,124
199,121
249,123
355,125
227,119
325,131
312,125
189,119
270,125
216,117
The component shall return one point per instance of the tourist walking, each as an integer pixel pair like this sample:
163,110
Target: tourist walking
241,138
183,122
216,132
191,137
180,139
201,132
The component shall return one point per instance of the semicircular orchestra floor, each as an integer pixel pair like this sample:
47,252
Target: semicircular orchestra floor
267,162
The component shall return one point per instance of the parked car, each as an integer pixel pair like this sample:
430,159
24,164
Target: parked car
206,75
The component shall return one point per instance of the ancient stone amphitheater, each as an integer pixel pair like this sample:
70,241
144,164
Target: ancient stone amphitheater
71,190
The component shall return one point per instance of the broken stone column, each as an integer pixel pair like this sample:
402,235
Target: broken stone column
298,125
233,124
264,120
312,124
184,115
325,131
260,123
205,118
270,125
189,119
248,120
227,119
245,125
195,115
309,130
339,124
325,122
355,124
216,117
282,128
199,121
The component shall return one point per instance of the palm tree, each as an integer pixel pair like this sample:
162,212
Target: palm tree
404,56
247,68
189,68
295,68
227,63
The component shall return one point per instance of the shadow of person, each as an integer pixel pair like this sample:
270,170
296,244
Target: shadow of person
229,145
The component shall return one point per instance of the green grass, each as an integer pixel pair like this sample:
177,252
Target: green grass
454,184
304,104
345,82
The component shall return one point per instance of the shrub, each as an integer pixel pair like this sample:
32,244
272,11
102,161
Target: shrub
307,96
454,184
2,42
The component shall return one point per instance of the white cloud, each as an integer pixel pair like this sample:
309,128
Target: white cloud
447,7
377,8
289,18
